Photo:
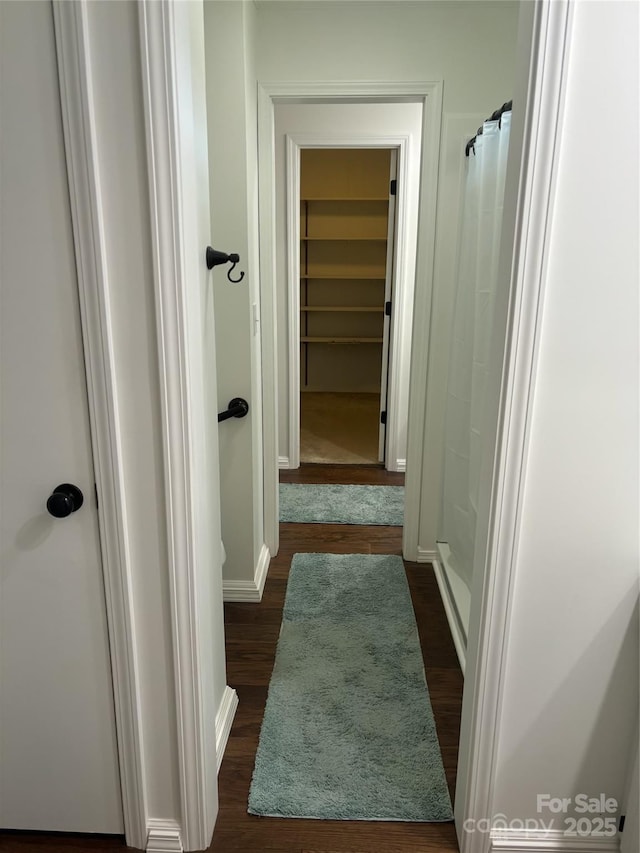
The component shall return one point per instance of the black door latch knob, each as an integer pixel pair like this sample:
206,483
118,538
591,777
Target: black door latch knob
64,500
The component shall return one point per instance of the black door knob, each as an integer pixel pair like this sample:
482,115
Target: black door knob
64,500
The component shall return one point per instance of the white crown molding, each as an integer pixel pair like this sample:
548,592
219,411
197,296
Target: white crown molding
163,836
242,590
75,60
485,682
224,721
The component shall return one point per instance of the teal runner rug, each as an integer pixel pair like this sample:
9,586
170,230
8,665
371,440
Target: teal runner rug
348,731
342,504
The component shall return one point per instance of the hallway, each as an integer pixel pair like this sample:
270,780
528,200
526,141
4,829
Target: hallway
252,634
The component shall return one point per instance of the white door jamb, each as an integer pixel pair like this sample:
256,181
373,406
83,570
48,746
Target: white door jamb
401,318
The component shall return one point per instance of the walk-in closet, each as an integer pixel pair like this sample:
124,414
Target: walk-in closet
346,238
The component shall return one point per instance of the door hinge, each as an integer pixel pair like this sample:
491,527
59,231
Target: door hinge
621,823
95,489
383,417
394,187
387,308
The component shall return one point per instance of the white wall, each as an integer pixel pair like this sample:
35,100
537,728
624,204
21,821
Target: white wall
570,692
323,120
394,40
232,126
470,46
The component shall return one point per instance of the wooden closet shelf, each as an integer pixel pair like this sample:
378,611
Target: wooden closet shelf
345,276
360,308
335,340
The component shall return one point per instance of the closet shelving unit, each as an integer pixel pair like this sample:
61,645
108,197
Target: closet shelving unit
343,257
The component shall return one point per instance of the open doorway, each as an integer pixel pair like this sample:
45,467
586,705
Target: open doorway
347,233
378,256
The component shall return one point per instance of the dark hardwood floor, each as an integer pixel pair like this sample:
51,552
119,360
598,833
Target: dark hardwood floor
60,842
252,634
343,474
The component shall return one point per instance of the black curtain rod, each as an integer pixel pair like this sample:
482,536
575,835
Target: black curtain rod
496,116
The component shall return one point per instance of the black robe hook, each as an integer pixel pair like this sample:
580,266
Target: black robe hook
214,258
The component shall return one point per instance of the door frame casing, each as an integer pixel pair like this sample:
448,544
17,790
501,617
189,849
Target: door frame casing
429,94
400,326
167,30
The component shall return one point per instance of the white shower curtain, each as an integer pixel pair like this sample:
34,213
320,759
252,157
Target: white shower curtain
478,251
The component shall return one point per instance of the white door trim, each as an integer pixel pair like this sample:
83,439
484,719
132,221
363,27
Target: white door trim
488,635
73,49
167,91
400,327
429,94
387,337
292,190
271,460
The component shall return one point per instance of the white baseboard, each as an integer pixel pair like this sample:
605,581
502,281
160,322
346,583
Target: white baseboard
262,569
242,590
544,841
283,461
425,556
163,836
224,721
398,466
451,610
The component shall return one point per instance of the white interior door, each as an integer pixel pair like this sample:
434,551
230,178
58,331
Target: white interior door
388,306
58,759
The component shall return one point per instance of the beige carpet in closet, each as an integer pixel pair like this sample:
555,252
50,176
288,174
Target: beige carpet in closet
339,428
